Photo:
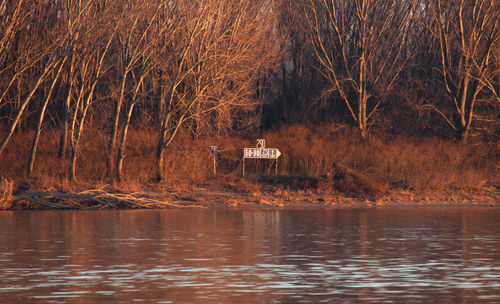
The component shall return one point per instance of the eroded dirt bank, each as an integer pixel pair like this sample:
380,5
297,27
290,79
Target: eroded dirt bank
231,192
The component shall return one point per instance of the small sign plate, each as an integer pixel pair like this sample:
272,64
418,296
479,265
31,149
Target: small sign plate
270,153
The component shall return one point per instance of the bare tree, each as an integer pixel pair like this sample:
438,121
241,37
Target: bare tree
217,52
360,46
91,68
41,117
143,61
12,17
71,17
135,40
51,54
467,34
70,26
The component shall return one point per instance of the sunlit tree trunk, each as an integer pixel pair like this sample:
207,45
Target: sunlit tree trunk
34,146
92,69
23,106
466,32
123,140
134,46
360,46
63,140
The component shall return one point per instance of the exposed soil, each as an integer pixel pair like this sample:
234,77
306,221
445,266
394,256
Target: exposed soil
350,190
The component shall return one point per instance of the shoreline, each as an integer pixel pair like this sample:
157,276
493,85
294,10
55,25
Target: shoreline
323,167
207,196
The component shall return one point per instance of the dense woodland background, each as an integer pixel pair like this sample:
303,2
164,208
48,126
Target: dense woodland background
106,85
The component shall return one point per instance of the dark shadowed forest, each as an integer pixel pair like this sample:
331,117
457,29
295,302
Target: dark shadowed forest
135,91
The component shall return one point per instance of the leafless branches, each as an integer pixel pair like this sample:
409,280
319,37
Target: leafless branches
205,66
467,32
361,49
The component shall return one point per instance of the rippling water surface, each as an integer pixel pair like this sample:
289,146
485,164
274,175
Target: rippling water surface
425,255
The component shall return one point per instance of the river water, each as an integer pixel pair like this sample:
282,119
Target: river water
393,255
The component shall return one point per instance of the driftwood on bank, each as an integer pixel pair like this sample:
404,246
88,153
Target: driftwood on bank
93,199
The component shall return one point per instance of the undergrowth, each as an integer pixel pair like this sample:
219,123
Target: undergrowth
414,163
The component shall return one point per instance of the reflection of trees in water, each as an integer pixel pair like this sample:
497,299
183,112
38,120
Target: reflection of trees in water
157,254
262,230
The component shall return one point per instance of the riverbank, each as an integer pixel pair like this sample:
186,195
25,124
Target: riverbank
322,166
233,192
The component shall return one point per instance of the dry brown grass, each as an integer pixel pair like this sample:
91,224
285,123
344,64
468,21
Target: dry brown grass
421,164
413,163
6,190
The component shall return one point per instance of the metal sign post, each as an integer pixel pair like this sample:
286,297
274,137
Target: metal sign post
261,152
215,151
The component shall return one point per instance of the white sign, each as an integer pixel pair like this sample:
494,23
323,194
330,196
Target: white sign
261,152
270,153
214,149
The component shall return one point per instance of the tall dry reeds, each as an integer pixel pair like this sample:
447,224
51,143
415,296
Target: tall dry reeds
405,162
6,190
415,163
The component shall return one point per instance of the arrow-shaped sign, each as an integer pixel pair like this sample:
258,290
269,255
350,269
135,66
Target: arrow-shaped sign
271,153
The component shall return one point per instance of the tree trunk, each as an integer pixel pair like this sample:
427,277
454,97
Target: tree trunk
468,115
114,132
159,161
76,141
464,135
63,141
161,146
161,98
362,97
21,109
121,148
40,120
72,175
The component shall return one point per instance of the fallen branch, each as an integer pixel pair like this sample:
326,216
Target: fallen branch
110,200
33,197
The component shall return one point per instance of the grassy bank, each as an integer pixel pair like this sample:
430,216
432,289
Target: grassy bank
400,163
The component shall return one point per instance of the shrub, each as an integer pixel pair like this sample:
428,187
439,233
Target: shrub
6,190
